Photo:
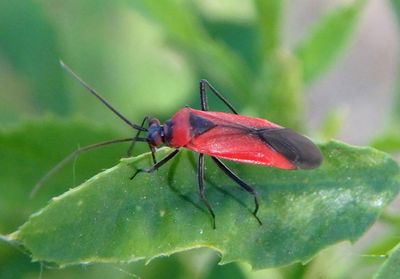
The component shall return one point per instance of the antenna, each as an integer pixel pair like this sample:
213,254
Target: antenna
73,155
97,95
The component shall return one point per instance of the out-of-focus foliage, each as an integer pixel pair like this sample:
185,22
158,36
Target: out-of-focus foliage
146,57
29,46
332,124
396,114
324,43
388,141
390,269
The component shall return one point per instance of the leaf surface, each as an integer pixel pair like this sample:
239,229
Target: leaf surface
110,218
28,151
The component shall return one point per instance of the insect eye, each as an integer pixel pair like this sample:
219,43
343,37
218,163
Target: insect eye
155,138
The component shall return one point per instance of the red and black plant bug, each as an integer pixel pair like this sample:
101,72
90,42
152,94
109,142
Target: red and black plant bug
218,134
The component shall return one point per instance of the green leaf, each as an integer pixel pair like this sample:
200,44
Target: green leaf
182,26
29,151
30,49
396,109
332,124
389,141
111,218
391,267
269,17
277,94
396,8
216,60
325,42
228,33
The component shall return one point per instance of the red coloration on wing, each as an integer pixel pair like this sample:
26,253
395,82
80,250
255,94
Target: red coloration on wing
227,136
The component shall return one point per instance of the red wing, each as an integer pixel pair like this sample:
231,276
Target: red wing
223,118
187,123
252,140
243,139
238,145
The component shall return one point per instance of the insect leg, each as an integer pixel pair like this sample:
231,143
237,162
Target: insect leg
129,151
203,96
200,179
153,153
157,165
152,149
241,183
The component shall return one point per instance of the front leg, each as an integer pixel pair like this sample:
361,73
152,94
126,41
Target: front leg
157,165
129,151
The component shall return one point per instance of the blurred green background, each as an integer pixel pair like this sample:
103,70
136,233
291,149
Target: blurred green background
326,68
